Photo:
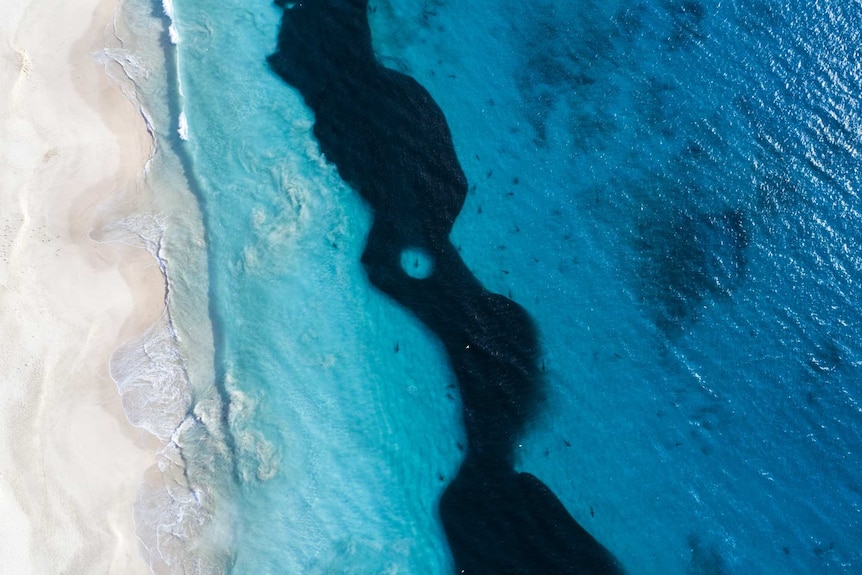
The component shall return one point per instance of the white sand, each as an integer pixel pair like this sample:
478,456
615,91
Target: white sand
70,463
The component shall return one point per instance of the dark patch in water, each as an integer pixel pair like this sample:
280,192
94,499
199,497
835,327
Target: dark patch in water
558,69
629,21
686,21
705,559
390,141
826,356
688,258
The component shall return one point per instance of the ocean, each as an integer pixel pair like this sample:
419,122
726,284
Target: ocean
663,194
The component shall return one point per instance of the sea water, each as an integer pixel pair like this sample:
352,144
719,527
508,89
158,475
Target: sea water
669,187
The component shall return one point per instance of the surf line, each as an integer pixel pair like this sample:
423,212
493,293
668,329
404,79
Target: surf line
390,142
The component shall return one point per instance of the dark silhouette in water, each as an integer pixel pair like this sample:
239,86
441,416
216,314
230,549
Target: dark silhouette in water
390,141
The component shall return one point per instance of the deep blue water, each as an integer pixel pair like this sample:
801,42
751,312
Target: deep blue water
669,188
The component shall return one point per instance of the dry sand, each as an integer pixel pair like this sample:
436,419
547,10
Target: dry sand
70,463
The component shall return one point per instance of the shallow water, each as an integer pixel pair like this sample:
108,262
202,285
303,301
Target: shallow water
669,188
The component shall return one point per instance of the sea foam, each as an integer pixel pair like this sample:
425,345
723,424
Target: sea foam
165,377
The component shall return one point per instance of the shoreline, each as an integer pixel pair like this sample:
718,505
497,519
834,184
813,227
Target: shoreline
71,464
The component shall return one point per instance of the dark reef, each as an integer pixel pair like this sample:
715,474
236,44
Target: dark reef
390,141
688,258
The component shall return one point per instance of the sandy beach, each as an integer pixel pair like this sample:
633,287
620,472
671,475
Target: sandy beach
70,462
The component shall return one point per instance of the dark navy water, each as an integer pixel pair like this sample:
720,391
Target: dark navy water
668,190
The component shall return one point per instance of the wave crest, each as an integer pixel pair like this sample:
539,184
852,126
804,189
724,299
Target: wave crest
182,512
152,380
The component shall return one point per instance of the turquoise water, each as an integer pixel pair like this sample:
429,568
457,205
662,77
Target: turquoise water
670,189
